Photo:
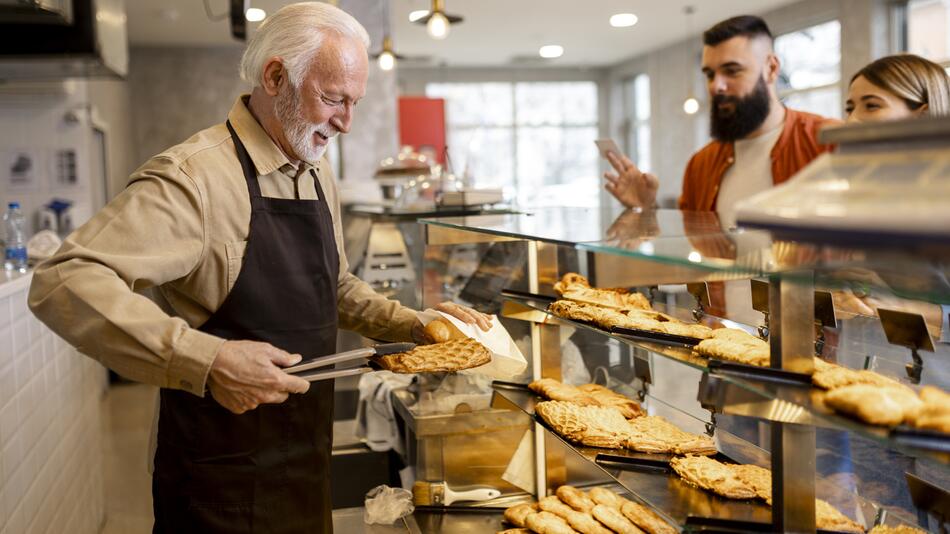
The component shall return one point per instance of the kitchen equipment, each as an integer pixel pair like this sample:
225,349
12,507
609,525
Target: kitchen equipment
305,369
435,493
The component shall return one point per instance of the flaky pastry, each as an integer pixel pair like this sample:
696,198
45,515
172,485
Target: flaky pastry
454,355
712,475
628,407
732,344
873,404
559,391
593,426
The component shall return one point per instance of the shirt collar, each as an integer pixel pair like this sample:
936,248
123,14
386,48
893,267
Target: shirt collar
264,152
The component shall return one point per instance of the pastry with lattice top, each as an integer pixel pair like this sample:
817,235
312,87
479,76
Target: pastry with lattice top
556,390
611,399
454,355
654,434
712,475
593,426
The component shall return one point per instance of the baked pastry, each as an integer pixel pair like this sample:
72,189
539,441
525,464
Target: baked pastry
518,530
606,497
934,413
553,504
593,426
575,498
548,523
732,344
713,476
759,478
873,404
654,434
828,517
577,288
559,391
900,529
516,514
615,520
646,519
832,376
454,355
580,521
608,318
628,407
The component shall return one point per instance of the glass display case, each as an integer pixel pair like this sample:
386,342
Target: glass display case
803,298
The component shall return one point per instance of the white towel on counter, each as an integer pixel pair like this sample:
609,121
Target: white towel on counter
375,417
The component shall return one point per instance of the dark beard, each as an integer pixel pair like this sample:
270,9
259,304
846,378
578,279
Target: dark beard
749,112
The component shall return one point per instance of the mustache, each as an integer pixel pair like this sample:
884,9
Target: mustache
326,130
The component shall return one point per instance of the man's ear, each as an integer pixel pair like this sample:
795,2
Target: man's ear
922,111
773,67
273,75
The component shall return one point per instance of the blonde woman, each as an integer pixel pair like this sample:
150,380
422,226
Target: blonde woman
898,87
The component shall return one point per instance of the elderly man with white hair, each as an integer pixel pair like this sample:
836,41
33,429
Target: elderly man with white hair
221,263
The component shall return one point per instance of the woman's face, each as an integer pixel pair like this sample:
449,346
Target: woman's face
870,103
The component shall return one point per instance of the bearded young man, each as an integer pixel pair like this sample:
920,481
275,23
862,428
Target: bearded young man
236,233
757,142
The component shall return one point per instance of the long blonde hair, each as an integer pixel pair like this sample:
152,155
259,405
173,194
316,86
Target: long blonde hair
912,78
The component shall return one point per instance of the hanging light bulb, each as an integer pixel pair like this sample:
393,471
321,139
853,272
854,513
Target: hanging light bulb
691,105
437,21
387,59
438,26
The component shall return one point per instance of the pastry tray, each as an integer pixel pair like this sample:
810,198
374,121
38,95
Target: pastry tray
924,439
758,373
650,335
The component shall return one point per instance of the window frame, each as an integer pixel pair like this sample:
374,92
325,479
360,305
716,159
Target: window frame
783,94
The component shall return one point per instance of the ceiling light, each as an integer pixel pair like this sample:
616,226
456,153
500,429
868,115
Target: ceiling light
691,106
437,21
418,14
438,26
623,20
255,14
386,60
551,51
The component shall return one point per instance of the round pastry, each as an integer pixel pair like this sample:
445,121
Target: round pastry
438,331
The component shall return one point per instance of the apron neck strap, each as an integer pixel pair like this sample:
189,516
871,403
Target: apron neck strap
250,173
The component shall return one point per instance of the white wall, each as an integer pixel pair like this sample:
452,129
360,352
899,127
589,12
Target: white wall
39,119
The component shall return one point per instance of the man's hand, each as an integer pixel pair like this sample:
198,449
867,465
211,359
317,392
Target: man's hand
246,374
463,313
634,189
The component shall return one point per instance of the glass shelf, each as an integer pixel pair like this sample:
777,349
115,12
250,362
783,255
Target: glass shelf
760,398
697,241
656,486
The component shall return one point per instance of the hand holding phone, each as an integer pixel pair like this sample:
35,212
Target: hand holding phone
607,145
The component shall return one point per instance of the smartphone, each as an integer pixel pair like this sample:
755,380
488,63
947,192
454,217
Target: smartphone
605,145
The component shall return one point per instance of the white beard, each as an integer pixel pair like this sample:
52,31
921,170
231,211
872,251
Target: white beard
297,130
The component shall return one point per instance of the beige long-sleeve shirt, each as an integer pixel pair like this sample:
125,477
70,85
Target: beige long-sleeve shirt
131,286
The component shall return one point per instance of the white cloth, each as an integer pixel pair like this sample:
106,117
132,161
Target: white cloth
375,418
750,173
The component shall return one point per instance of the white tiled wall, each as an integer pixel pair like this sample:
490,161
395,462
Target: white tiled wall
50,454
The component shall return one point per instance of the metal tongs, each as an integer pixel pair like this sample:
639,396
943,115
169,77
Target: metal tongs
305,369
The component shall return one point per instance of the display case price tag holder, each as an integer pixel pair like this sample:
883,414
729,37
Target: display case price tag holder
825,316
700,291
907,330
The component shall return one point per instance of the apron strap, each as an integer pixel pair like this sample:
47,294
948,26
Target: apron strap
317,186
250,173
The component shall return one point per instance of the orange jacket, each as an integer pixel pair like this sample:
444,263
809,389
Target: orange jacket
795,148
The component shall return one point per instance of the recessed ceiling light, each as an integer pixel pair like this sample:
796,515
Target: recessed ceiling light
623,20
551,51
417,14
255,14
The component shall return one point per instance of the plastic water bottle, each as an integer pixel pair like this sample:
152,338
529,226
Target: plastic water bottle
13,223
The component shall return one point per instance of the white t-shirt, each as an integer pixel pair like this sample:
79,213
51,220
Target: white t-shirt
751,173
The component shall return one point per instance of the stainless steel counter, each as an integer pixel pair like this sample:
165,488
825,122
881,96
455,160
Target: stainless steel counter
350,521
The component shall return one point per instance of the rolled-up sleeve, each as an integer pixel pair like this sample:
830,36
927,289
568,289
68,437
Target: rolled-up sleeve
152,233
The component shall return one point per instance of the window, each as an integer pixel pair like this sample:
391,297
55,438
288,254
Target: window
534,139
928,29
811,69
636,122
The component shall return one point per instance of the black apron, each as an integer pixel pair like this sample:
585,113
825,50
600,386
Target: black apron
266,470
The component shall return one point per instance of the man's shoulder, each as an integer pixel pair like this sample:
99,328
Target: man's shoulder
204,151
710,152
200,145
811,120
